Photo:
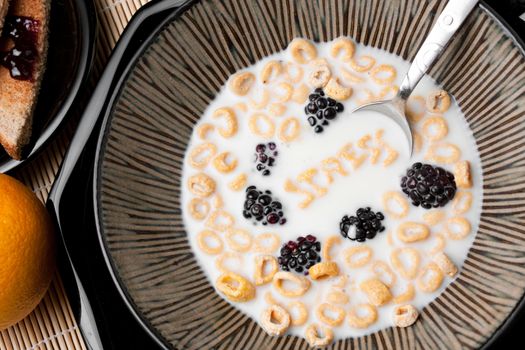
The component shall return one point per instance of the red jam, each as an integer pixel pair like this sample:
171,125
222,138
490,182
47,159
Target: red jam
20,37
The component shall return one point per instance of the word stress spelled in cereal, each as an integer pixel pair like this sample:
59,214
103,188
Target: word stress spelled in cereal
315,221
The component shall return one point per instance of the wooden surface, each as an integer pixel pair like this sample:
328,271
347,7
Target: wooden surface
51,324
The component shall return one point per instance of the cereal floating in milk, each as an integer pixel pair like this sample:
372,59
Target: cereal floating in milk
314,221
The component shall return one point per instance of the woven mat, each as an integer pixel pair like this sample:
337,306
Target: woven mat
51,325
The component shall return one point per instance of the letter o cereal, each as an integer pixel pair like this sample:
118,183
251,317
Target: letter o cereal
235,287
362,64
358,256
264,98
320,76
462,202
327,246
293,72
384,273
302,51
446,153
202,240
400,200
387,69
438,101
231,121
445,264
406,296
238,183
204,129
271,70
260,276
275,320
314,339
219,262
233,242
267,243
337,91
302,284
225,162
220,220
409,232
345,45
289,129
254,124
302,316
198,208
335,321
357,321
201,155
430,278
435,128
408,271
284,92
241,83
457,228
405,315
415,109
440,243
201,185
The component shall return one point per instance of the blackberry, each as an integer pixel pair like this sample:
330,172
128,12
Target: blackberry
320,110
300,255
260,206
265,157
364,225
428,186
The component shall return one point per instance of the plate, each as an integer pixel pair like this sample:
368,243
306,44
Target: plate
71,40
170,83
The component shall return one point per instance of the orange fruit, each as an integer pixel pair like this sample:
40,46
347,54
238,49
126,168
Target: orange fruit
27,251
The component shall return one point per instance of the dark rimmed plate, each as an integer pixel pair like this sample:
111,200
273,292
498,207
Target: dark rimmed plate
71,41
136,186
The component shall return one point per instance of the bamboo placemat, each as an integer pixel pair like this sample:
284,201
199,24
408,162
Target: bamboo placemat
51,325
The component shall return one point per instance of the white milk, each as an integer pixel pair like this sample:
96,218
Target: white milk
362,187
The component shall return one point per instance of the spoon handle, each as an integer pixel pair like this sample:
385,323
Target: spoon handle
445,27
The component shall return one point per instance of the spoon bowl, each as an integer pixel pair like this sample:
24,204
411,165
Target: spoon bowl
395,110
447,24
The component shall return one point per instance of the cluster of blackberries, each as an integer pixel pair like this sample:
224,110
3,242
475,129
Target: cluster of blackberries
265,155
364,225
320,110
261,207
428,186
300,255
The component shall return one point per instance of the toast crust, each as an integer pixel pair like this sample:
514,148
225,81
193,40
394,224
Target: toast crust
18,98
4,4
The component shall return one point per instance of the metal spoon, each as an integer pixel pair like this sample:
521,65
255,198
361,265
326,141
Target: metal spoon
446,26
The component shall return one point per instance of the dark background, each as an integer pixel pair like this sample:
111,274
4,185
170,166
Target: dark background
118,329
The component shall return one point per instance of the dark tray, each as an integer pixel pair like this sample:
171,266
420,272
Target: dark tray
72,28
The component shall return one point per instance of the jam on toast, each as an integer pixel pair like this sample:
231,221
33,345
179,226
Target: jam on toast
23,50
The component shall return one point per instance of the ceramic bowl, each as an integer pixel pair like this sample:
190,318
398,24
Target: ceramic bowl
185,63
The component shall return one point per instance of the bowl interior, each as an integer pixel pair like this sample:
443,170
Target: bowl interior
142,148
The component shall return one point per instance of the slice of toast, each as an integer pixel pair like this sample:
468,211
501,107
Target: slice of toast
4,4
18,97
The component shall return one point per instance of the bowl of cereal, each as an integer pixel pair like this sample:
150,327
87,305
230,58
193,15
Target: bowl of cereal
241,204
